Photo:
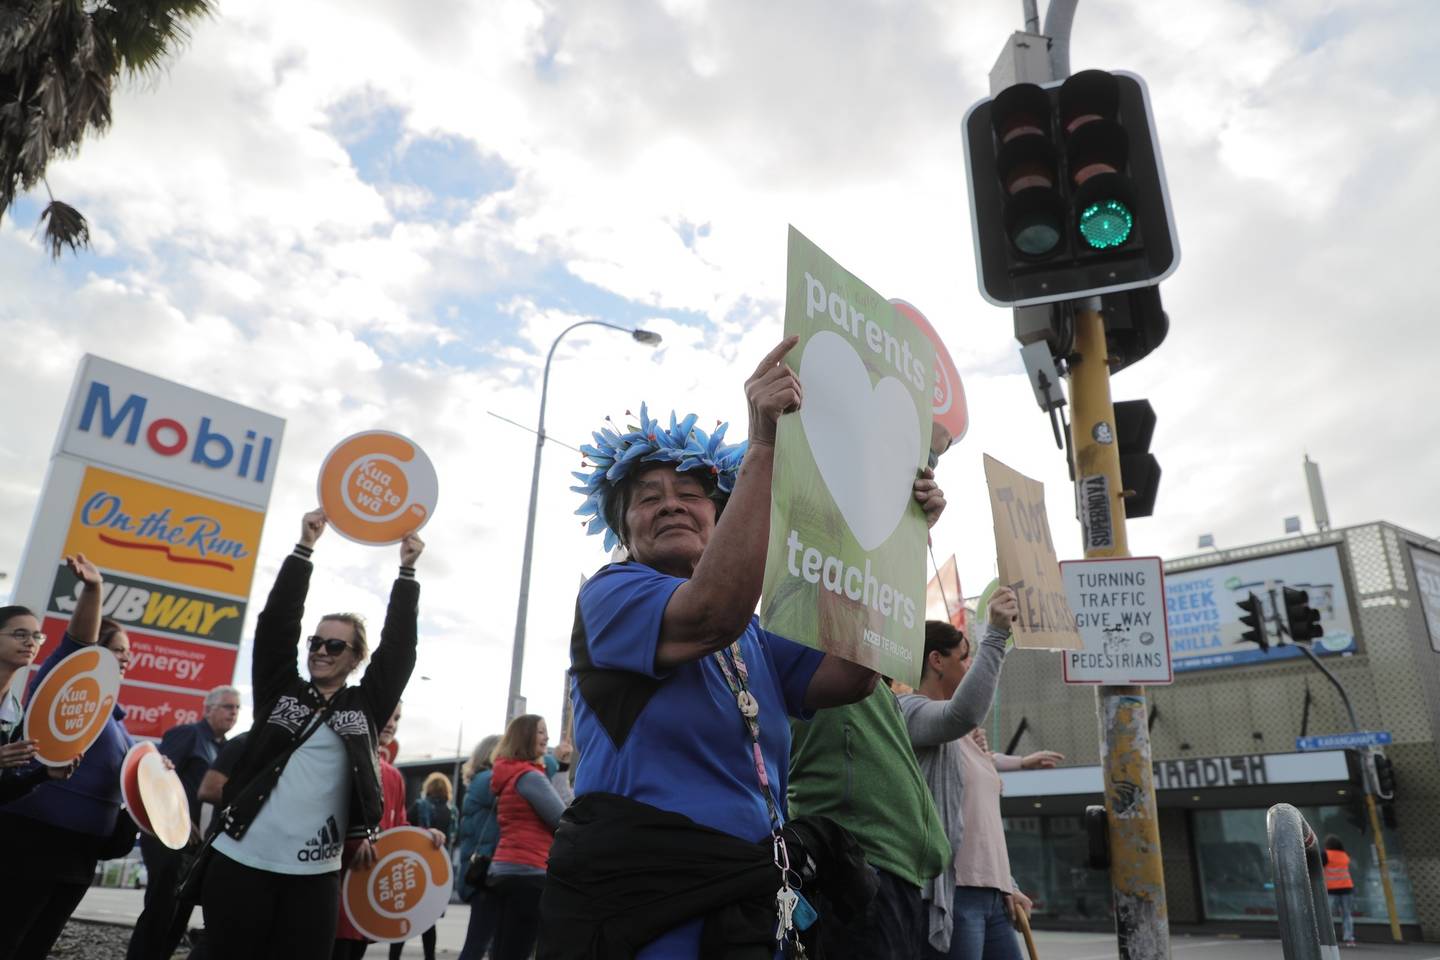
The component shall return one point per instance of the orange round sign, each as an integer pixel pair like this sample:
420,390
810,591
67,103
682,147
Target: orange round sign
950,410
155,796
70,706
405,891
376,487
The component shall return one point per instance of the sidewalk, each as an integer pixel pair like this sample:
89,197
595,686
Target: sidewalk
116,906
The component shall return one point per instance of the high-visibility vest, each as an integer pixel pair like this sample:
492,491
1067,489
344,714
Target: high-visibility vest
1337,871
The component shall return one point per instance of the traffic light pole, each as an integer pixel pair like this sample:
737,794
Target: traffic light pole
1137,872
1370,787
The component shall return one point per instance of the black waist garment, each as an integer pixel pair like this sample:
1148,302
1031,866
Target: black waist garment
622,873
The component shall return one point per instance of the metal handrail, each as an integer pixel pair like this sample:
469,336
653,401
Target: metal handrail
1306,930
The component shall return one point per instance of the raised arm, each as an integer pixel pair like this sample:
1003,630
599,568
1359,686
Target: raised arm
932,722
85,621
275,660
713,607
394,659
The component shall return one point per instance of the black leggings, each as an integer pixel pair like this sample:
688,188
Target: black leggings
36,911
255,913
517,903
355,949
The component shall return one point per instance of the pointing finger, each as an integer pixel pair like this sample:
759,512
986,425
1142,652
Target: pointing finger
776,355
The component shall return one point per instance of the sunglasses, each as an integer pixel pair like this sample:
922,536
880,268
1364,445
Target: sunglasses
332,646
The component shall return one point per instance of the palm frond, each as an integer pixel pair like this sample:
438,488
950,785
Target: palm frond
64,226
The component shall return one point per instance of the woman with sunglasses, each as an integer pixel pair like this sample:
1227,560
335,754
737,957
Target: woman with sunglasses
306,783
69,816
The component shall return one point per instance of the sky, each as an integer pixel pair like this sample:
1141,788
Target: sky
369,215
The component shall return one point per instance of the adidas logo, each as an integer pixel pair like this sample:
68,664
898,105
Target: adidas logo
325,845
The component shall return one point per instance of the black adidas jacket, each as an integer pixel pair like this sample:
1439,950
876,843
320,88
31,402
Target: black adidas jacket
286,701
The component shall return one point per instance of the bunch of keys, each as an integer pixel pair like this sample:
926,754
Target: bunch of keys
787,902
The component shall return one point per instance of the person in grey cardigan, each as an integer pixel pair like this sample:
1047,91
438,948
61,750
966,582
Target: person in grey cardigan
955,694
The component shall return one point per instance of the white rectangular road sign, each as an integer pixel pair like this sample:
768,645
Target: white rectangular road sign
1119,608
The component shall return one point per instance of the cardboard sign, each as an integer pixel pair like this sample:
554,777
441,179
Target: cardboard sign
69,708
1119,605
155,796
405,891
845,572
121,523
950,411
1028,566
377,487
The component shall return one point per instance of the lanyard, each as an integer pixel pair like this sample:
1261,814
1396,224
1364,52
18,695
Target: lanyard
737,675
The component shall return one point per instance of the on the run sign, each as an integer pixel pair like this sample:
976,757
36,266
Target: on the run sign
1119,609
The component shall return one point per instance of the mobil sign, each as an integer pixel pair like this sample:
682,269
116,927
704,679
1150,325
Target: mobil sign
164,488
142,424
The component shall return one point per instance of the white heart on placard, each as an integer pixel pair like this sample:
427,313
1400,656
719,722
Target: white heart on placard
865,439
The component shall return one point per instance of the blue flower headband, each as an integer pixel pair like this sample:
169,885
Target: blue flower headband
615,455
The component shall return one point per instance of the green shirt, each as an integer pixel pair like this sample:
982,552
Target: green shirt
855,765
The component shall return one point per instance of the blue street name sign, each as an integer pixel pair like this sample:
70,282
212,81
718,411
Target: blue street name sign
1340,741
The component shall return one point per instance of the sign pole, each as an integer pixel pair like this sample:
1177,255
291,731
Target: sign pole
1137,872
1380,858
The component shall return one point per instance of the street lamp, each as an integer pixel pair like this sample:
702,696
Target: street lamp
514,707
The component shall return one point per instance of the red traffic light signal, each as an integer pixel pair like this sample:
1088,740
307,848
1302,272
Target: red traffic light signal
1067,191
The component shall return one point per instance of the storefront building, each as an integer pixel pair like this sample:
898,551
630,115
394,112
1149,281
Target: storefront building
1224,737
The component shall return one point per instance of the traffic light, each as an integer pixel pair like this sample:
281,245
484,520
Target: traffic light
1253,616
1067,190
1302,620
1384,776
1139,470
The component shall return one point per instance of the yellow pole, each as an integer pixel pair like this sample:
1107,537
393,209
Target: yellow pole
1384,867
1137,872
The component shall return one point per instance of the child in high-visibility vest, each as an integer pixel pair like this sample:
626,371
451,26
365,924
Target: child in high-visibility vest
1340,886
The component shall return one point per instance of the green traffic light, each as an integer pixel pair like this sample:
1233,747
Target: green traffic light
1106,224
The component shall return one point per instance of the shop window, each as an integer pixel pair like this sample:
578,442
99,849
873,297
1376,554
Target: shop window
1048,858
1233,856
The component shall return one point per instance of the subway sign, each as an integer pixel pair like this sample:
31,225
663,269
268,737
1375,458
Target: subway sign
160,429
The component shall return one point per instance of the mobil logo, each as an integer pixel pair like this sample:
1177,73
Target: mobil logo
127,418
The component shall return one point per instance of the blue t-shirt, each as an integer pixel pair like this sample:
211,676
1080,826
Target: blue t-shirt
676,740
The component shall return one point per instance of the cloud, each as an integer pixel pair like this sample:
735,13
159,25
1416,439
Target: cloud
354,216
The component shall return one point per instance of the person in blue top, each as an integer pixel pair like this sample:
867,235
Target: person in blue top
680,697
60,829
479,834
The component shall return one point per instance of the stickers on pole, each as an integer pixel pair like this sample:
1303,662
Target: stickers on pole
155,796
1026,552
68,710
1119,606
377,487
405,891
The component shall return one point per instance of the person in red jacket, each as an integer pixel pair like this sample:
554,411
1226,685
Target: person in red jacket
1340,886
349,943
528,809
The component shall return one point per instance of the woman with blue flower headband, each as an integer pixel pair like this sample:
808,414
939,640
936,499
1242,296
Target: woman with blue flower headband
681,699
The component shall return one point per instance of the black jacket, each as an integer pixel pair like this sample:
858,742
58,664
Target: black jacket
623,872
286,701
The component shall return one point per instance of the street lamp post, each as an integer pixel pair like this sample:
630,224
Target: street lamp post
514,707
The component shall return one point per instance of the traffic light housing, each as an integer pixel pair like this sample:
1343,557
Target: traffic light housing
1139,470
1253,616
1384,776
1067,190
1302,620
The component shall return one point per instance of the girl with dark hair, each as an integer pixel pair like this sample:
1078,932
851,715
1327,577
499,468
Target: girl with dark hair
529,810
61,827
20,640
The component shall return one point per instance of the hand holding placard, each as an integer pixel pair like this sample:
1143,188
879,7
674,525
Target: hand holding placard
1028,566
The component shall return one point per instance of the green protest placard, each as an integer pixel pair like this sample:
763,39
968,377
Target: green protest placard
846,568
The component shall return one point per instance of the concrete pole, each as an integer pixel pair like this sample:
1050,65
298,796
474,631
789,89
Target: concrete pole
1137,872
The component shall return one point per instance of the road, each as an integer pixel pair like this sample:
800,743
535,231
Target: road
110,905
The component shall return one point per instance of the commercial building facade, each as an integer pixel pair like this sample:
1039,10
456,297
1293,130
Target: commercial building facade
1224,736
